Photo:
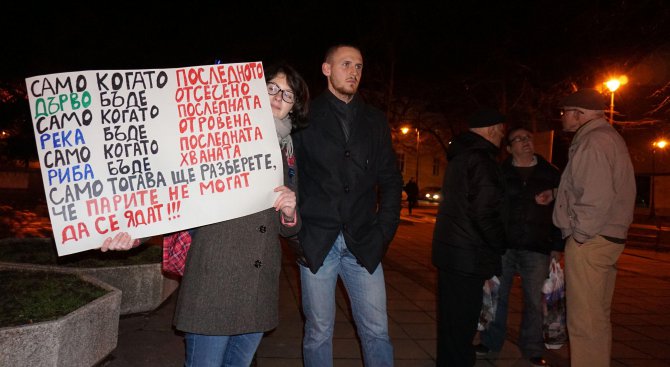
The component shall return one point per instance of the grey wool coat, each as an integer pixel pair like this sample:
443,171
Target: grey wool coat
231,280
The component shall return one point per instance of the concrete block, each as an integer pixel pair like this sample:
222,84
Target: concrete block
144,287
81,338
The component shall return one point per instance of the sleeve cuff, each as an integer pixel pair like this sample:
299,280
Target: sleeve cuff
287,223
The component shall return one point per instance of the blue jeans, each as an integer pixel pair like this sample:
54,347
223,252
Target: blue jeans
534,269
221,350
367,294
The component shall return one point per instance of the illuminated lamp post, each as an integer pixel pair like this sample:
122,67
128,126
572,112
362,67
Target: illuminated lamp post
406,130
612,85
658,144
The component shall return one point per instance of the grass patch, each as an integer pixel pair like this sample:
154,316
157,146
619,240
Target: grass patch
44,253
36,296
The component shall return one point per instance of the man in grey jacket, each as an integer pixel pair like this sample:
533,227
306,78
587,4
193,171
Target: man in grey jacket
594,208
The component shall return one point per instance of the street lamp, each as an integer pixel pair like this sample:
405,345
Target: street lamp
657,144
612,85
406,130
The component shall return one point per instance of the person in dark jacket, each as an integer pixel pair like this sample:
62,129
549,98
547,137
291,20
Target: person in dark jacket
412,191
469,236
350,192
530,182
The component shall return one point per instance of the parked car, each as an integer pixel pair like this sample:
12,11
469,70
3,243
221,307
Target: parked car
431,193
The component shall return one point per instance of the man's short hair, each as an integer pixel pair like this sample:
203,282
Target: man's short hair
331,50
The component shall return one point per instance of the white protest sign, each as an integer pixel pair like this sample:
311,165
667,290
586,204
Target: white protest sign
153,151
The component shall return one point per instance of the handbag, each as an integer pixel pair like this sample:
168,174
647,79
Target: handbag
489,303
175,250
554,326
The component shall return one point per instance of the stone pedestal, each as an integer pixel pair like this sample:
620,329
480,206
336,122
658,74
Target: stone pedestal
81,338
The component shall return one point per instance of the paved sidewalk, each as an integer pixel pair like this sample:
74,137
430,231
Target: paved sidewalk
640,314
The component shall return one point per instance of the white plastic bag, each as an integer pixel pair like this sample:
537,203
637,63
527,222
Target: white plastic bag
489,303
554,326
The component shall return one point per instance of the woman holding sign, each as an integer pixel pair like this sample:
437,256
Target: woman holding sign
229,292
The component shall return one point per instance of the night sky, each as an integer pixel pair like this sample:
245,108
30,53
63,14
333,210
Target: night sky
426,47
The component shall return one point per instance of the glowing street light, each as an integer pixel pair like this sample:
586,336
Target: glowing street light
657,144
405,130
614,84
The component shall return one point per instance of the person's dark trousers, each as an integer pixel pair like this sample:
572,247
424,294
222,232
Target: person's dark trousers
459,305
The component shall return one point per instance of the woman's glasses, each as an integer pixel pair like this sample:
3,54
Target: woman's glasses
286,95
520,139
566,110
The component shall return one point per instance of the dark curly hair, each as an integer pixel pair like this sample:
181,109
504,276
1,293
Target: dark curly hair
297,84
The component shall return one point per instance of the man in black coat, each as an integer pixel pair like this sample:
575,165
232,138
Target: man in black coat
469,235
531,236
349,201
412,190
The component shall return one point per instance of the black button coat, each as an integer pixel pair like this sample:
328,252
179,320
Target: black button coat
353,185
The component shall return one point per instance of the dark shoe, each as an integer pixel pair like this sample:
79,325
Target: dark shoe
538,361
481,350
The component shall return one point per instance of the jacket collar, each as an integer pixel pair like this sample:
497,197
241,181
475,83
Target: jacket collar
471,141
588,127
321,109
333,99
